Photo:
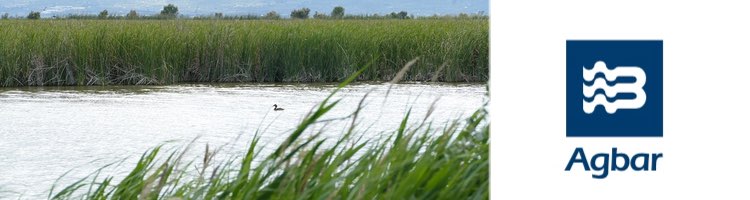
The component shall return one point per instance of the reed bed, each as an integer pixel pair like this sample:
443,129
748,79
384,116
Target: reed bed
136,52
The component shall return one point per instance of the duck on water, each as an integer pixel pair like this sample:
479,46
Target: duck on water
276,108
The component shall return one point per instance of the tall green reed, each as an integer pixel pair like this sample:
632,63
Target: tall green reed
416,161
105,52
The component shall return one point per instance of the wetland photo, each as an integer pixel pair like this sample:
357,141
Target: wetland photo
259,99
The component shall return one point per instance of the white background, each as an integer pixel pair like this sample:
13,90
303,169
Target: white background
706,141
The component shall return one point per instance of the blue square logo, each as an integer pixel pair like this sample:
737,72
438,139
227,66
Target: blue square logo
614,88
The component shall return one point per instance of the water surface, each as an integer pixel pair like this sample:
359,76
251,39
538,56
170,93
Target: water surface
47,131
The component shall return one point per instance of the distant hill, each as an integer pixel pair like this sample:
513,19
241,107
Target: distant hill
50,8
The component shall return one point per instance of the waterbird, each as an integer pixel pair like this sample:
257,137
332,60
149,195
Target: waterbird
276,108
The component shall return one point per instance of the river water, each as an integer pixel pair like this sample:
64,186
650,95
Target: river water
48,131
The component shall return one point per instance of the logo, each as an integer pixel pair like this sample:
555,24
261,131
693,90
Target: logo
608,94
599,83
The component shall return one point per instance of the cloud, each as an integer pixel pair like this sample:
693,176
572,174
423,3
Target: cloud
141,4
255,4
15,4
59,9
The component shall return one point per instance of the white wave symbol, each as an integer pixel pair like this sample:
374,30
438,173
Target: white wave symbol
612,91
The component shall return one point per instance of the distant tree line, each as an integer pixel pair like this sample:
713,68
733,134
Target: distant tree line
171,11
33,15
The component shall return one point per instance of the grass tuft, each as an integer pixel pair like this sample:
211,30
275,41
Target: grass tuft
412,162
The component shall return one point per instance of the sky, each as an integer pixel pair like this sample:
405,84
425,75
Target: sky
49,8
